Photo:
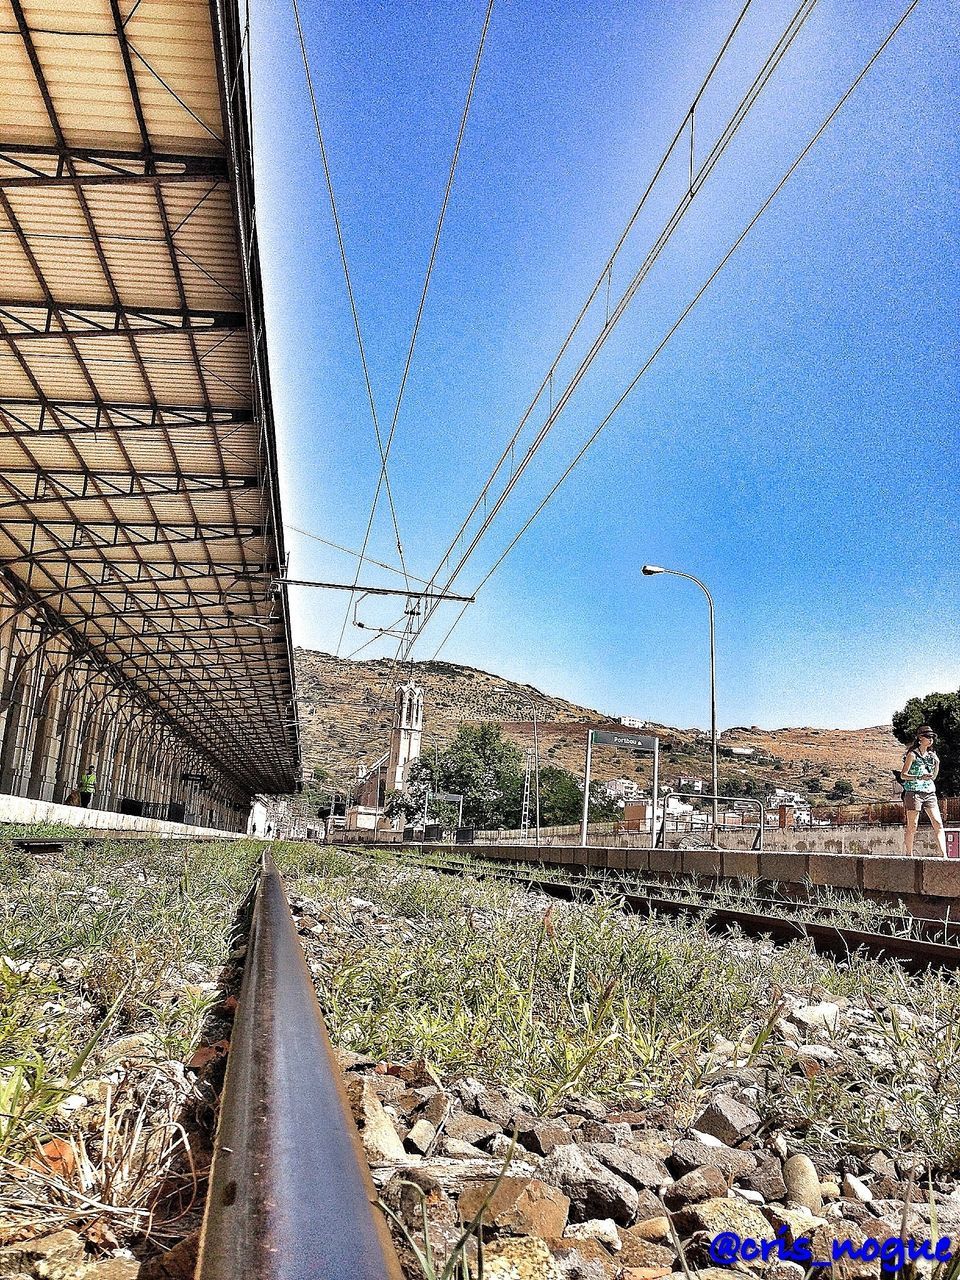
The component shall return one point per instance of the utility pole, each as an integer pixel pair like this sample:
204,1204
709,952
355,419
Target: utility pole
650,570
525,812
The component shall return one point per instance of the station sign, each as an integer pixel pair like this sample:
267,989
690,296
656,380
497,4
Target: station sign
634,741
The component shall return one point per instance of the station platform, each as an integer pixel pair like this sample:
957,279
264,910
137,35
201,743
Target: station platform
20,811
927,886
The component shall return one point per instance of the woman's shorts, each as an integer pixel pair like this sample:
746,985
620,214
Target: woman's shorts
917,801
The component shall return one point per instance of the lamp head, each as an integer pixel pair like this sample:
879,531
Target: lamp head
649,570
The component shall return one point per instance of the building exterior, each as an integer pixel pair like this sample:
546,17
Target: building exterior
391,771
632,722
144,629
793,799
371,792
624,789
406,736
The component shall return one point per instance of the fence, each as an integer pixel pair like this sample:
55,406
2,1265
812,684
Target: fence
880,813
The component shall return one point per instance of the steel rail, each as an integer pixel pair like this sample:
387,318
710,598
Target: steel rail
840,941
291,1197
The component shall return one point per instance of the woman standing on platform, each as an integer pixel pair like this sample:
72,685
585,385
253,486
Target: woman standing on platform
921,764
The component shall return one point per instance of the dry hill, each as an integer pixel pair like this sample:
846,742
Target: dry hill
346,709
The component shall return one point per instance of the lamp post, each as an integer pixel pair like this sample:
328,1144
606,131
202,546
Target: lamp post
649,570
536,755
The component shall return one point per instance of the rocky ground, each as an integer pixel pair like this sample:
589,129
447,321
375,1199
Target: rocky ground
574,1093
634,1187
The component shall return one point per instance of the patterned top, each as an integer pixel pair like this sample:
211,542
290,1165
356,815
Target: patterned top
917,778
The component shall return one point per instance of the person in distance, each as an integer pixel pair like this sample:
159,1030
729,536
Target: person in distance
921,764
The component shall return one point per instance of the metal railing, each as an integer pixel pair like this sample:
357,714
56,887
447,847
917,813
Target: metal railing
291,1197
659,840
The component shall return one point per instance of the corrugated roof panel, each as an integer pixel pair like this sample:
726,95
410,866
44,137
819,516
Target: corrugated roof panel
122,440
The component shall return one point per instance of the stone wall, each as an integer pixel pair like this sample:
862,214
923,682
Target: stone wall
927,886
887,840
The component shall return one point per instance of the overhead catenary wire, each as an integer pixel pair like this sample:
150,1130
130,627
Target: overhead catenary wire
415,627
828,120
603,279
380,564
371,400
385,452
729,131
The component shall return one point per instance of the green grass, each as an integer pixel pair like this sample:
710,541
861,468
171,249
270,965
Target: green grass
117,941
126,940
480,978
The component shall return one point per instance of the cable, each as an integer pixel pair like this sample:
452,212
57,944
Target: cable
730,129
347,552
373,639
384,478
686,312
385,453
605,275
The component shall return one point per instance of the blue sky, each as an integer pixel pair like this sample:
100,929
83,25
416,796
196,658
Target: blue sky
795,445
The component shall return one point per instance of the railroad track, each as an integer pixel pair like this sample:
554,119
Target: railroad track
928,949
290,1195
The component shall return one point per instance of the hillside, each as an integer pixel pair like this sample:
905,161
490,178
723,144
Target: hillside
346,709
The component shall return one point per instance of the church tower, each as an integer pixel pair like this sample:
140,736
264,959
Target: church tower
406,735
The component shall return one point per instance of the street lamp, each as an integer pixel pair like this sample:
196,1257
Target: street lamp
649,570
536,759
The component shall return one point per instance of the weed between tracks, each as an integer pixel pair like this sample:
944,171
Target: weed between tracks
107,964
484,978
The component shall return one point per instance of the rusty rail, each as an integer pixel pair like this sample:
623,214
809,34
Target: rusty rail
291,1197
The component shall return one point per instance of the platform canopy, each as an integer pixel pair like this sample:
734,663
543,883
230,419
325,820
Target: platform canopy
139,506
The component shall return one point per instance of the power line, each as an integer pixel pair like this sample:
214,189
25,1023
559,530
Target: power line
381,631
696,183
604,276
385,453
354,554
384,478
686,312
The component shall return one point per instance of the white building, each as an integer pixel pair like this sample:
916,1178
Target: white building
406,736
631,722
390,771
792,799
625,789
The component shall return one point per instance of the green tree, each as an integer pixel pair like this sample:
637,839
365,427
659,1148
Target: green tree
942,712
842,789
603,808
485,768
401,804
561,796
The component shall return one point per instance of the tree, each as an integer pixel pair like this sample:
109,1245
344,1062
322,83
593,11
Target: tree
561,797
942,712
842,789
401,804
603,807
814,785
484,767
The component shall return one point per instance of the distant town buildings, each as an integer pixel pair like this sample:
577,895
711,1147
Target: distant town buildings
622,789
792,799
690,784
631,722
